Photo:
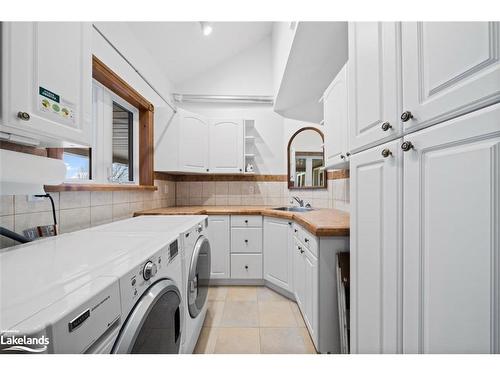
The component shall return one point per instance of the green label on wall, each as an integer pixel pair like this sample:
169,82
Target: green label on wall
48,94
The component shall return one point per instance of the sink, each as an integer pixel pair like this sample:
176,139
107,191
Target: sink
294,209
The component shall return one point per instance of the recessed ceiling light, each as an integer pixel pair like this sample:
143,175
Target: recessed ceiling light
206,28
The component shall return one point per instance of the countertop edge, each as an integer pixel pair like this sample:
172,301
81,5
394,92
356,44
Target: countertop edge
315,229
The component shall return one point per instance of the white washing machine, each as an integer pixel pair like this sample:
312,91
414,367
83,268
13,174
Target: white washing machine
75,293
197,278
151,305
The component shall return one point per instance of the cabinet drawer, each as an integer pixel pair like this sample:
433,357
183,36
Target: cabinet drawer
309,241
246,240
246,266
246,221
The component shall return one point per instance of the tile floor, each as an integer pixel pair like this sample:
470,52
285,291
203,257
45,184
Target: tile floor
249,320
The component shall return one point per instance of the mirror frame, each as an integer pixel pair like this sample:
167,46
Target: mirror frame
290,184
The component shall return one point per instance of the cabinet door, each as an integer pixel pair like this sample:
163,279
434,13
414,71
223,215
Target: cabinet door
449,68
298,273
451,236
376,256
335,114
218,235
373,83
193,143
47,74
278,262
226,146
310,300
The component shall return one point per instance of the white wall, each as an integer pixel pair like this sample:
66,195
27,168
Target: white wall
248,73
282,38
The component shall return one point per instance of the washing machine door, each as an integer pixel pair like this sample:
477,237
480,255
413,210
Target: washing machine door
199,276
154,324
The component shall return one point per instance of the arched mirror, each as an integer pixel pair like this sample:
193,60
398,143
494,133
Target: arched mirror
306,160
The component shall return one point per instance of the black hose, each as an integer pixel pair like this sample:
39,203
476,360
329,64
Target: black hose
13,235
53,206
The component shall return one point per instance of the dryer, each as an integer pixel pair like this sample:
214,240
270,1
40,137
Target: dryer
197,279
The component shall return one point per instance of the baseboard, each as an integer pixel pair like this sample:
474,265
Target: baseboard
252,282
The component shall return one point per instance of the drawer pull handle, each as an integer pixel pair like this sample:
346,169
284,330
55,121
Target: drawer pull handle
386,126
406,115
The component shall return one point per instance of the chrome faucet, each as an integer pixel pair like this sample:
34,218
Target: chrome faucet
299,201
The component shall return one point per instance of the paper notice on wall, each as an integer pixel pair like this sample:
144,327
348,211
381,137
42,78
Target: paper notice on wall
51,102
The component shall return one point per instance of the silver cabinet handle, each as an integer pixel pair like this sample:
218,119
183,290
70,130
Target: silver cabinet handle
386,126
406,115
386,152
407,146
25,116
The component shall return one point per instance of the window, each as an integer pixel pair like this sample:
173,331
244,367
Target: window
78,163
122,147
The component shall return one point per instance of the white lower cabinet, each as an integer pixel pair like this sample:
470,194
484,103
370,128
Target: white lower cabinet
246,266
376,182
278,260
250,250
220,245
430,285
451,236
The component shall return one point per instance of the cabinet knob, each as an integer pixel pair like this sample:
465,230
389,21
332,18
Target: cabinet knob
295,230
246,241
347,154
289,223
208,169
386,152
241,170
342,156
407,146
246,221
386,126
306,240
25,116
406,115
246,267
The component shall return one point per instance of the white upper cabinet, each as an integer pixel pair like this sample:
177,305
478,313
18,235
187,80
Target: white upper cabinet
193,142
376,301
47,81
226,146
335,116
188,142
451,236
373,83
278,252
449,68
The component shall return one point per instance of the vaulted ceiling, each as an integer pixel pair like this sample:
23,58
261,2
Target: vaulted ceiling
181,49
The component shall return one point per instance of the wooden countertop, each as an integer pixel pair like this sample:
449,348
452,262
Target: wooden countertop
320,222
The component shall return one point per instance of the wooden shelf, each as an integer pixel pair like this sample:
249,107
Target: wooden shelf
98,187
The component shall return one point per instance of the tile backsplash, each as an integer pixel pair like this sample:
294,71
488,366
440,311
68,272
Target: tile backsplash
80,209
219,193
